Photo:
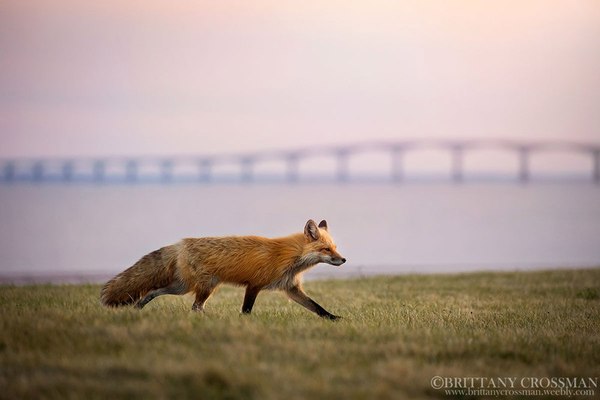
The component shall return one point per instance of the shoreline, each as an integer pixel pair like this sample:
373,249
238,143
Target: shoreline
325,273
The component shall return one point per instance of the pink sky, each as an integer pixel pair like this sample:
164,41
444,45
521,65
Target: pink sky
161,77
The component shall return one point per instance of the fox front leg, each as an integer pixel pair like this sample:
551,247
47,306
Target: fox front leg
297,294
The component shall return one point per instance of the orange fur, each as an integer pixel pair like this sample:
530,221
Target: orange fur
199,265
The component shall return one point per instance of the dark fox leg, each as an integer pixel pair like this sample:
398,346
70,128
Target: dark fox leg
175,287
249,298
297,294
202,294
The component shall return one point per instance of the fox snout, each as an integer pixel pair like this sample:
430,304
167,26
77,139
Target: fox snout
337,261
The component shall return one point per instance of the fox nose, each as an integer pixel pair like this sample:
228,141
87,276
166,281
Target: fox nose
343,260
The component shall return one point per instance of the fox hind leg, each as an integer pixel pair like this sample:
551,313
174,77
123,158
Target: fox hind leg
176,287
203,292
249,298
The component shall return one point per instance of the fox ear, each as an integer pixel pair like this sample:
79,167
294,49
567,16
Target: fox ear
311,231
323,224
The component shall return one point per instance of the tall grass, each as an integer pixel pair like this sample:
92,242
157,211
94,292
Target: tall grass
395,335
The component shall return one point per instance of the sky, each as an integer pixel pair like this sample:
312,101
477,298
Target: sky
179,77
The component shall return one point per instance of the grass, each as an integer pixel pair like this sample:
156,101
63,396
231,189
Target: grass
397,333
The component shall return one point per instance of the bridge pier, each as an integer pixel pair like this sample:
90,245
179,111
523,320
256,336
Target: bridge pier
342,165
596,173
131,169
166,172
9,171
204,170
524,164
247,166
397,164
99,168
38,171
67,171
457,163
292,161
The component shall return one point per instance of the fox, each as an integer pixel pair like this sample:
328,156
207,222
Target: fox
200,265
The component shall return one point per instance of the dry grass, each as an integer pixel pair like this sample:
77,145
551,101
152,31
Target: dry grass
397,333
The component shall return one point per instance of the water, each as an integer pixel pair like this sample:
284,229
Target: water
65,232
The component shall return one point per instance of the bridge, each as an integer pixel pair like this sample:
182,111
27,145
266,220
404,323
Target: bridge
203,169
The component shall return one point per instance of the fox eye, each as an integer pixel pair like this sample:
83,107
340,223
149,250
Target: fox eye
327,249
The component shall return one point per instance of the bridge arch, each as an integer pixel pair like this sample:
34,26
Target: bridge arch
393,161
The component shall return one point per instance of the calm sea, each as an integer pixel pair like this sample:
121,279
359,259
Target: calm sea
64,232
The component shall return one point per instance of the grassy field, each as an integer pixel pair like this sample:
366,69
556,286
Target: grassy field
396,334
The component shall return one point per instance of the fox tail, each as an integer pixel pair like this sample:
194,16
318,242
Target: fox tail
153,271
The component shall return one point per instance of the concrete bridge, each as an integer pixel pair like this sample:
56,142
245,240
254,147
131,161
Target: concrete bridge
202,168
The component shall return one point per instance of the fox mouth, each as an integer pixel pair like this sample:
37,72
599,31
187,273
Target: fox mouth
338,261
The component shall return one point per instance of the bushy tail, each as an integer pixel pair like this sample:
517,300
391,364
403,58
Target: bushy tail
153,271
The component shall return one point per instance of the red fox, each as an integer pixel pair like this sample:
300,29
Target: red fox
199,265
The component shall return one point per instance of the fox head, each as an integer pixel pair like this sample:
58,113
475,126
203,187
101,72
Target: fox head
319,245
